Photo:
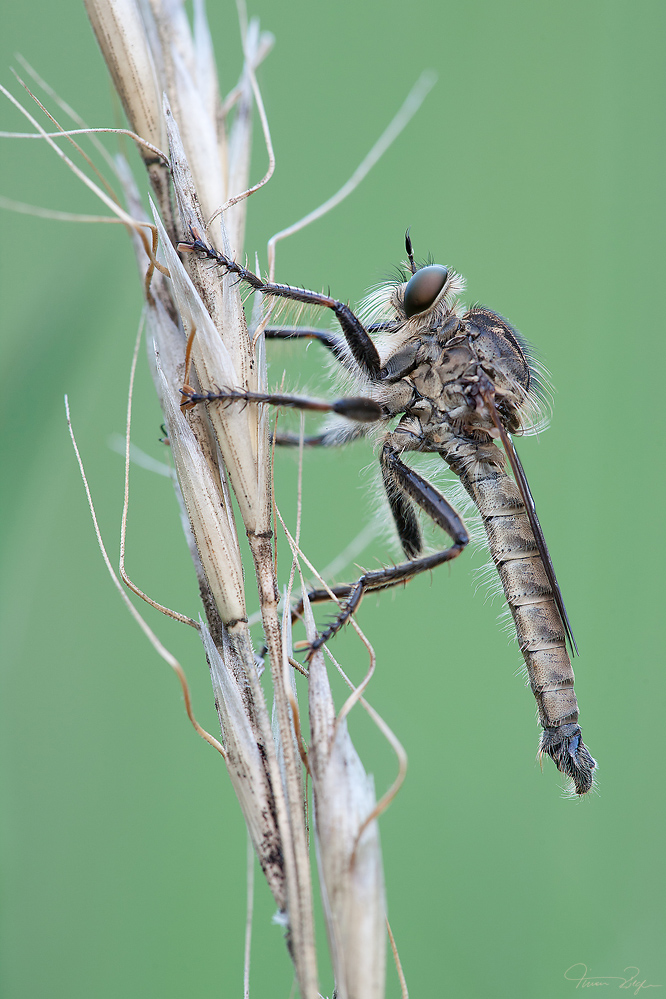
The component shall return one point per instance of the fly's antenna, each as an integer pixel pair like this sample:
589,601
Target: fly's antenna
410,251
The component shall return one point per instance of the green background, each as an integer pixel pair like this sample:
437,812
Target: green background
535,168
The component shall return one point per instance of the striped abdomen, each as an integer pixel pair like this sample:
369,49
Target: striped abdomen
539,627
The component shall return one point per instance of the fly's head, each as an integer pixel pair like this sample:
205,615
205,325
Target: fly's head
418,320
429,296
422,303
427,302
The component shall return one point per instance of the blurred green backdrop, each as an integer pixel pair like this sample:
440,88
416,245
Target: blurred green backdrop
535,168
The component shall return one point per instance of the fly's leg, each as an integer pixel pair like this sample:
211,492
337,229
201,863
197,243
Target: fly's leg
325,337
402,509
381,579
402,485
334,436
337,346
330,438
294,440
358,408
358,339
331,341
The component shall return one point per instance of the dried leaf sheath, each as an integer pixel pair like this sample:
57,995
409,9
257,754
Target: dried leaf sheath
246,766
151,52
165,75
351,875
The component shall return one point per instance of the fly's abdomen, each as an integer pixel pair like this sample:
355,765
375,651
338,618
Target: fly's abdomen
540,634
539,627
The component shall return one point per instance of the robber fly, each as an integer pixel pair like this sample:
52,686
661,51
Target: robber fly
461,383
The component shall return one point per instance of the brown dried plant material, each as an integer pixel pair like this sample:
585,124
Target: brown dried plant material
228,444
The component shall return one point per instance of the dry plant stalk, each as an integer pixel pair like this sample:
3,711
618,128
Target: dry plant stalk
196,150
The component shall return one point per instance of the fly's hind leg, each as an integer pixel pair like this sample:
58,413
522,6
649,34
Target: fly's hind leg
403,485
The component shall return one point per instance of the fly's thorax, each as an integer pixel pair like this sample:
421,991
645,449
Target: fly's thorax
441,375
501,354
444,378
438,346
394,398
497,346
415,341
442,352
427,380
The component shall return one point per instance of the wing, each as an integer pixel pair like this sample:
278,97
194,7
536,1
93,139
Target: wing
523,485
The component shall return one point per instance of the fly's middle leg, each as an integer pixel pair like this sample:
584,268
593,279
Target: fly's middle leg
358,408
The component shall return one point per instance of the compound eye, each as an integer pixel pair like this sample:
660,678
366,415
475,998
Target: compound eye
424,288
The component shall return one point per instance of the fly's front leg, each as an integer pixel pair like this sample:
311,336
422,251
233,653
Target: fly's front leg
400,480
335,343
325,337
358,340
